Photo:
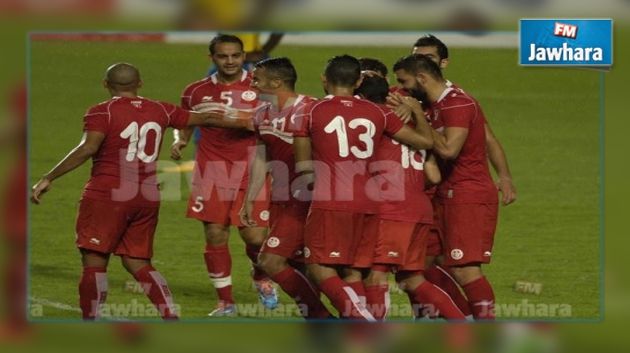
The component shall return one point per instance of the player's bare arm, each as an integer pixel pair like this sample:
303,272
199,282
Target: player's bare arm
303,162
88,147
499,162
257,176
431,170
449,145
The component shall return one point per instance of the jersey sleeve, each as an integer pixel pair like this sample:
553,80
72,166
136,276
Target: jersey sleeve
393,124
177,117
300,121
185,99
96,119
460,115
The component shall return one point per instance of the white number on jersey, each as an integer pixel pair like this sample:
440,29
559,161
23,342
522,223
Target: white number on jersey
227,97
338,126
408,157
138,141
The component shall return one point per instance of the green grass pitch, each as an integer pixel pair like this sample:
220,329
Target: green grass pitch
546,118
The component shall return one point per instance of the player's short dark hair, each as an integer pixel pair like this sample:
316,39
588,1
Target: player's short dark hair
415,63
373,88
430,40
343,70
373,65
224,38
280,68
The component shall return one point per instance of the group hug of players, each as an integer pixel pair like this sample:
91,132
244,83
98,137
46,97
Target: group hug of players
330,195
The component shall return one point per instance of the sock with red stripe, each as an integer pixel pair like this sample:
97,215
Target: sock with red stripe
156,288
92,291
377,300
480,298
433,297
219,266
303,292
442,279
252,252
344,299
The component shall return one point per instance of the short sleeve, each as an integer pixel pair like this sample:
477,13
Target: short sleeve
300,121
177,117
96,119
259,117
185,100
393,124
458,116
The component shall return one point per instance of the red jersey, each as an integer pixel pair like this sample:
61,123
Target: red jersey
124,167
273,127
401,170
465,179
344,133
223,154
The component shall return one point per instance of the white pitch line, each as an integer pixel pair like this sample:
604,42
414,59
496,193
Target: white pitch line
68,307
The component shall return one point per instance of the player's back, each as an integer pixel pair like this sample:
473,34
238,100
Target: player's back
344,132
124,168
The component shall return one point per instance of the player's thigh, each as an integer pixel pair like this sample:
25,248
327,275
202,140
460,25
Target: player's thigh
330,237
260,211
211,204
286,231
100,225
137,241
468,233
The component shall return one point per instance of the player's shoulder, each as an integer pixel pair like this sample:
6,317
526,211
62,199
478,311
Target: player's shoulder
457,98
195,85
102,107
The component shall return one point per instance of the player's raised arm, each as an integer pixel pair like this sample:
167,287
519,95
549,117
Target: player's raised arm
88,147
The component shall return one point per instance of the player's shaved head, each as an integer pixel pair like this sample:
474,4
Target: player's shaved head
279,68
343,71
122,77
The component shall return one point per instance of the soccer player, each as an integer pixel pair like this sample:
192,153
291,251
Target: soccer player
119,208
404,217
220,174
334,141
467,199
274,80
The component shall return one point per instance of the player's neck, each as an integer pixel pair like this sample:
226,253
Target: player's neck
435,92
285,98
229,79
341,91
125,94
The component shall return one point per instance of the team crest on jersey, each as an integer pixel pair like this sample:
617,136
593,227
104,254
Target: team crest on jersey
457,254
273,242
264,215
248,96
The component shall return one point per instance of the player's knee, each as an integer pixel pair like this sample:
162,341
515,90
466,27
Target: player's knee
216,234
466,274
271,264
132,265
253,236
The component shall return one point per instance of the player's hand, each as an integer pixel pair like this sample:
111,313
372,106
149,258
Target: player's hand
508,191
246,214
176,149
404,112
39,189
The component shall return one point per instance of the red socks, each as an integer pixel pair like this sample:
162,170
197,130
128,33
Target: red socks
345,299
252,252
302,291
219,266
92,291
431,296
377,300
156,288
480,298
442,279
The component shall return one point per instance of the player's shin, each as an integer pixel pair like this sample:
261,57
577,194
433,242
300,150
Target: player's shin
92,291
156,288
